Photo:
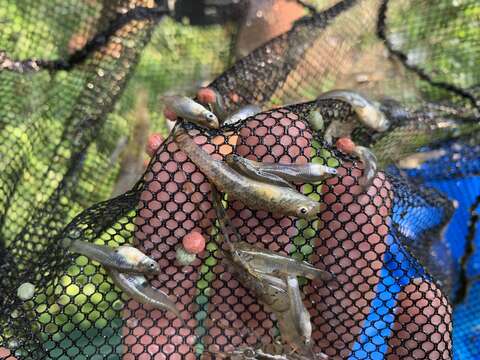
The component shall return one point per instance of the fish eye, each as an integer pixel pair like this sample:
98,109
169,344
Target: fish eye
303,210
249,353
152,265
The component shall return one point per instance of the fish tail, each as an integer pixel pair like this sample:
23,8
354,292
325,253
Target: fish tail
162,301
92,251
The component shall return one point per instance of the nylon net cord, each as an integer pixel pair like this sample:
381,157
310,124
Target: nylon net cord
394,273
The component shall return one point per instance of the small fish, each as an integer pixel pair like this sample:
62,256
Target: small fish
367,157
415,161
241,114
250,169
368,113
272,288
138,288
268,289
254,194
265,352
280,174
192,111
298,309
269,262
124,258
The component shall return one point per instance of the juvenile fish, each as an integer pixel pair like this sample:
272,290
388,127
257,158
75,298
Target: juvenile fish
124,258
254,194
241,114
270,262
367,157
280,174
273,291
415,161
265,352
269,290
138,288
192,111
298,309
367,112
280,292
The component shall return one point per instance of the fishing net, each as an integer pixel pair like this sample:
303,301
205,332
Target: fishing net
79,86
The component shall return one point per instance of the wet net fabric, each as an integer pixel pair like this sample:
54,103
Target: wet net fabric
70,75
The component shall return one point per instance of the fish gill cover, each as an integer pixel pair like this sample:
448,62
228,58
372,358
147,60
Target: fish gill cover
79,92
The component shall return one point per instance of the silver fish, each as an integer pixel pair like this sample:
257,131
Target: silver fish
264,352
298,309
139,289
241,114
269,262
191,111
415,161
269,284
268,289
367,112
254,194
367,157
125,258
280,174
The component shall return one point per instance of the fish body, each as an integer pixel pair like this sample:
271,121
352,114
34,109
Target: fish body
298,309
251,170
242,114
269,290
127,259
269,284
191,111
304,173
293,318
269,262
415,161
368,113
254,194
367,157
264,352
139,289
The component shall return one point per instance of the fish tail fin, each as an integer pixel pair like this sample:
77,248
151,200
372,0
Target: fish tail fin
163,301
